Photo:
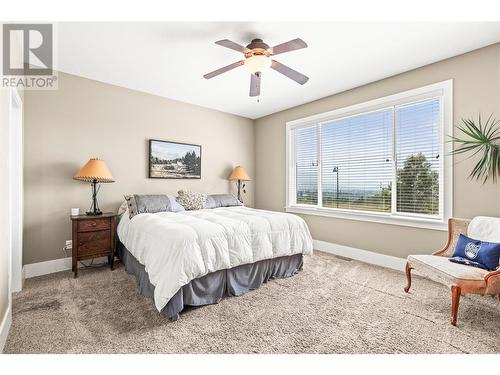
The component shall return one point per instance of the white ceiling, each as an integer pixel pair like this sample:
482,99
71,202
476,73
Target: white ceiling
169,59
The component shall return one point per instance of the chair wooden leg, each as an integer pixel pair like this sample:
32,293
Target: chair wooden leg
408,277
455,300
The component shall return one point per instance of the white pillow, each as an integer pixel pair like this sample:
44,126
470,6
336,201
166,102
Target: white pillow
484,228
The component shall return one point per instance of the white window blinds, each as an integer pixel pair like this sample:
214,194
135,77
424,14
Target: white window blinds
418,157
357,162
306,165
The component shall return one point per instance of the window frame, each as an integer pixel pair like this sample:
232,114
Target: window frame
443,90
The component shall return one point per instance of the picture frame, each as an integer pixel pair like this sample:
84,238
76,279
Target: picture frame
174,160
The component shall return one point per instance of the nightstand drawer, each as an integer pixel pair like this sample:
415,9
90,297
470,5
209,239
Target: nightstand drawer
94,242
93,224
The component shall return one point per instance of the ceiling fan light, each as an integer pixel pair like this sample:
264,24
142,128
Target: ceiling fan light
257,63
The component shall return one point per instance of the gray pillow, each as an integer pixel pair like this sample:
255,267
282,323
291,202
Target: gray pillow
139,204
222,200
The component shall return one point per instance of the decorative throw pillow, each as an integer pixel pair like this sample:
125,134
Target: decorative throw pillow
477,253
123,207
139,204
222,200
132,206
191,200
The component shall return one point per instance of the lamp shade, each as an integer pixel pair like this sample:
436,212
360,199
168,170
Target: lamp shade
95,169
239,173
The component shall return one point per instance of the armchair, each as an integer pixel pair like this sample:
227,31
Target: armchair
461,279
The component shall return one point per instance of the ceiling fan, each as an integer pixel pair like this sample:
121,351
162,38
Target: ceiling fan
258,57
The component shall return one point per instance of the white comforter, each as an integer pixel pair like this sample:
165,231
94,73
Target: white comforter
176,248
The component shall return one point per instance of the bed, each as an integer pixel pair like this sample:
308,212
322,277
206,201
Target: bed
195,258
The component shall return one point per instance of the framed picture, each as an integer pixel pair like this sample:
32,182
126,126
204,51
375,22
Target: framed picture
174,160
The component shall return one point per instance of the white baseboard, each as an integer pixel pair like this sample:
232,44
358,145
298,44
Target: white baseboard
44,268
366,256
5,327
51,266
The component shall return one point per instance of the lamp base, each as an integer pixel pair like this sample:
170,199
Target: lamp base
94,208
239,192
94,213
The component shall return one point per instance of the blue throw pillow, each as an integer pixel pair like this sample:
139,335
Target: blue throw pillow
476,253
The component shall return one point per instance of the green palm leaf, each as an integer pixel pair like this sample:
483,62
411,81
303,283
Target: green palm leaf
483,139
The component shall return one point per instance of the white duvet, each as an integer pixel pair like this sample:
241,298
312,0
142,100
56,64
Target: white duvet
176,248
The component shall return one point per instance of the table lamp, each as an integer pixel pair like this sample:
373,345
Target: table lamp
95,171
239,174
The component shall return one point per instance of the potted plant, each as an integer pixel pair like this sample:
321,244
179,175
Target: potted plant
483,139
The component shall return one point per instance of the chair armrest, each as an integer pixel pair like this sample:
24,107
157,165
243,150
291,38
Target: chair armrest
492,280
456,227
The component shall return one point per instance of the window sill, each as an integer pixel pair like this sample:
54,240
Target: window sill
415,222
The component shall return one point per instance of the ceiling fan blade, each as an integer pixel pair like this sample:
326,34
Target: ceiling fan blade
223,70
289,72
232,45
291,45
255,84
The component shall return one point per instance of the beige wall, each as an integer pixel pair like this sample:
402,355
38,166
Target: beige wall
476,82
85,118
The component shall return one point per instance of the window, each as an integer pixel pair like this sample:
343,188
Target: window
385,160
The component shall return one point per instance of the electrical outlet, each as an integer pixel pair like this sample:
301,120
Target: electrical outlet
69,244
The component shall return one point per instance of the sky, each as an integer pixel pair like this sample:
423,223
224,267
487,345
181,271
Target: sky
169,151
361,147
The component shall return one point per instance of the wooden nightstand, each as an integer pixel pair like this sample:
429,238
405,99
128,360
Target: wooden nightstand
93,236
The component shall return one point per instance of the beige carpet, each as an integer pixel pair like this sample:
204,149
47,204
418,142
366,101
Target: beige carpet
333,306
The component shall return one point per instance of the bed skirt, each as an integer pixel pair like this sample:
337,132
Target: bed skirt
215,286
